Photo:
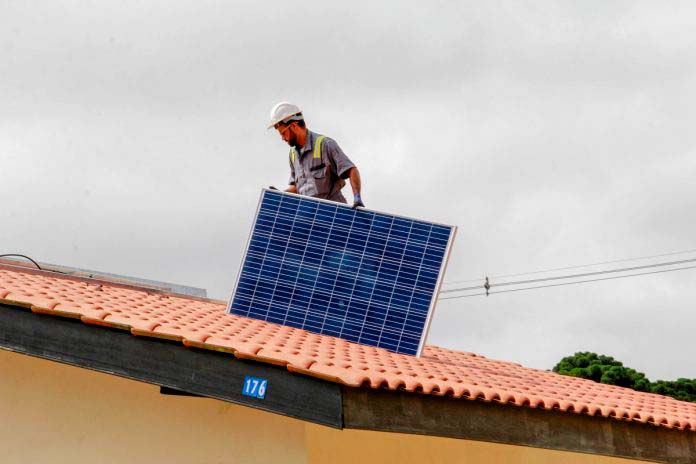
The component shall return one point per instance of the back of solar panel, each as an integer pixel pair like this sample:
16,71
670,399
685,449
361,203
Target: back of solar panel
360,275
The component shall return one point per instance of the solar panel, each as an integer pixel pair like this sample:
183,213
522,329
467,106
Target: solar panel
361,275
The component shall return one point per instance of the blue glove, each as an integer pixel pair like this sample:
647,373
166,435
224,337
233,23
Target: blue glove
357,201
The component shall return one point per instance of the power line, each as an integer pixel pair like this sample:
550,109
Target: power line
569,283
541,271
570,276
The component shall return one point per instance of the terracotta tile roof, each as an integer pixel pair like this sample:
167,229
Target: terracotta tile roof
204,324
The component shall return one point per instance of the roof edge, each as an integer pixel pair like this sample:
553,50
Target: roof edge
405,412
21,267
168,364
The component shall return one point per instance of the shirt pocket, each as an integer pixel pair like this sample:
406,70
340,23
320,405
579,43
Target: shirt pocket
321,180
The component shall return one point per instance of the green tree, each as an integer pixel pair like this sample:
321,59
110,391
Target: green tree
681,389
603,369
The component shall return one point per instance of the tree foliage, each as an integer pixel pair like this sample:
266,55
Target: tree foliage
605,369
681,389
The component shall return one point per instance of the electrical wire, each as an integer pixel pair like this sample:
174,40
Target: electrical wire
570,276
21,256
569,283
541,271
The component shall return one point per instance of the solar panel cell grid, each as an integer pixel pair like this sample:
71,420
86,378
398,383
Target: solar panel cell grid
360,275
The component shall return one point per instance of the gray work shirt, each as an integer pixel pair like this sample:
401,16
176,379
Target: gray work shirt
321,177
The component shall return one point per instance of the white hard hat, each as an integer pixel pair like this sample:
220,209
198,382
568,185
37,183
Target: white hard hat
284,112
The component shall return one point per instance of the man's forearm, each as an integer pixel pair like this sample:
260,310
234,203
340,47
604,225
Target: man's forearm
354,176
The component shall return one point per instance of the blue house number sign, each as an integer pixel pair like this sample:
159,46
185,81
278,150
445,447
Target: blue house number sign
255,386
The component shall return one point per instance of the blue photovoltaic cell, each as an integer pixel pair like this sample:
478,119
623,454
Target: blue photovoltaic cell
360,275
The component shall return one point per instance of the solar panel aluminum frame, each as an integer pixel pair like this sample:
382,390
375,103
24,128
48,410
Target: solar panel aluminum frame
438,284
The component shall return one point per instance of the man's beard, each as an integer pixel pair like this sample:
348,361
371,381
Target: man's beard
293,143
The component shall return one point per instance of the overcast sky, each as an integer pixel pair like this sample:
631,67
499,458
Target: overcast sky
133,141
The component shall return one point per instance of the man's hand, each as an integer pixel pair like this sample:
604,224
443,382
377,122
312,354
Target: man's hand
357,201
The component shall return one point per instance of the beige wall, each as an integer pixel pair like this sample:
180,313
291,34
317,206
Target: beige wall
348,446
51,412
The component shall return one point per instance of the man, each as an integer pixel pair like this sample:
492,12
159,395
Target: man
318,166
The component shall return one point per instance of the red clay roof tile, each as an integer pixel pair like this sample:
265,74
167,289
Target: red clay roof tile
204,324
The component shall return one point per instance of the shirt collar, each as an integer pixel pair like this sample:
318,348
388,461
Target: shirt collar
308,143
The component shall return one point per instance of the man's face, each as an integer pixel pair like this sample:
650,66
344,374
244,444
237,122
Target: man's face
287,132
